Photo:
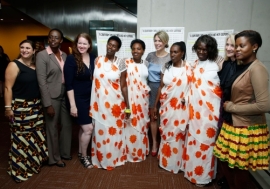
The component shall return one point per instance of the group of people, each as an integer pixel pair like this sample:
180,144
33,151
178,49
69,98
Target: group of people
204,109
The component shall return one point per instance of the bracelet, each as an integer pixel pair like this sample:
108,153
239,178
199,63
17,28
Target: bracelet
8,106
9,110
127,111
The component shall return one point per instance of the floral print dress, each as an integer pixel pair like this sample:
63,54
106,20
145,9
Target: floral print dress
204,103
173,117
107,109
136,130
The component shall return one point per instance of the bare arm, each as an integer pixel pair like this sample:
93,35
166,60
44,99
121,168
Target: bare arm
11,74
123,84
155,111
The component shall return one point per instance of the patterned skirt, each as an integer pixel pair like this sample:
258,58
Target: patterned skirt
28,146
244,147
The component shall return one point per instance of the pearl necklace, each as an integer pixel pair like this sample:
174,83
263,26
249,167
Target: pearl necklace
112,62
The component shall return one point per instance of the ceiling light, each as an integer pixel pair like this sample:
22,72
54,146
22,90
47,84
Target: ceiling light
22,19
1,19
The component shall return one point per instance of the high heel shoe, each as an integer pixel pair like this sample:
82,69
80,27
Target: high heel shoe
155,153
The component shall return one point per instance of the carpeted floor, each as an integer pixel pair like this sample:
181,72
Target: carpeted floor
143,175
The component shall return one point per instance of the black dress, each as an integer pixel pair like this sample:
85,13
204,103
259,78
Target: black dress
81,83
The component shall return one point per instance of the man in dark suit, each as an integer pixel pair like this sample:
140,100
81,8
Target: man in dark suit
49,67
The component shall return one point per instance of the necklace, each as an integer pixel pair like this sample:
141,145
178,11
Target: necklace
138,62
25,63
110,65
174,75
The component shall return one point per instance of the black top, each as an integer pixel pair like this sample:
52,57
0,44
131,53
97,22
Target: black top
26,84
81,82
4,60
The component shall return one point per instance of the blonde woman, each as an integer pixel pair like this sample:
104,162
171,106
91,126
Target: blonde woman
156,60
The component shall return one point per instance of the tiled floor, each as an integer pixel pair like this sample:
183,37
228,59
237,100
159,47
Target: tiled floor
143,175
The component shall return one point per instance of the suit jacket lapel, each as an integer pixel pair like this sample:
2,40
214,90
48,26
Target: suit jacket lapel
53,58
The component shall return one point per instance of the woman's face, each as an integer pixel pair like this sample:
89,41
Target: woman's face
83,45
112,47
244,49
176,54
201,51
137,51
26,50
229,48
55,39
159,45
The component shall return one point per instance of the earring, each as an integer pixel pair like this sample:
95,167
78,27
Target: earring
254,51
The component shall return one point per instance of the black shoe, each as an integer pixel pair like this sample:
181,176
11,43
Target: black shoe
66,158
60,164
222,181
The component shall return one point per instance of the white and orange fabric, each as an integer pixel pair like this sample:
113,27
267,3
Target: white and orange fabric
137,142
107,109
173,117
204,104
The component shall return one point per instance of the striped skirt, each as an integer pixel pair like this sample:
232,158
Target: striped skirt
244,147
28,145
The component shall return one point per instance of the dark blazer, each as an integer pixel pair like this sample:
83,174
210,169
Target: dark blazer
49,76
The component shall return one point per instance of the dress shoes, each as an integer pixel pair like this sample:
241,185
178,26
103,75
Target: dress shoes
66,158
60,164
222,181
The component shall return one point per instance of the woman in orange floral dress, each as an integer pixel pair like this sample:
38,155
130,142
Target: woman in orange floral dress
136,130
108,102
173,109
204,104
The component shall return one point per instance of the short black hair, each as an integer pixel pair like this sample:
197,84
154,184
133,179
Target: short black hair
182,46
117,39
56,29
253,37
137,41
211,45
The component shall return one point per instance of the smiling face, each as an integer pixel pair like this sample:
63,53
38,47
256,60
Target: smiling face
159,45
112,47
244,50
201,51
137,51
83,45
26,50
229,48
54,39
176,54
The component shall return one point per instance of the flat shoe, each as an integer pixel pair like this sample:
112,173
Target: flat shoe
66,158
60,164
221,181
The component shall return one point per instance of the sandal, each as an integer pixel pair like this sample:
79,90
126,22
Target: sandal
86,163
79,155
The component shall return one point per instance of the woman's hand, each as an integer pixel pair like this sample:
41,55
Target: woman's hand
127,115
74,111
225,104
50,111
155,113
10,115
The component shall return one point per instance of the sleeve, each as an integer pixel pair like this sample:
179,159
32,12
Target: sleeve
122,65
163,68
146,63
260,83
41,69
69,72
148,58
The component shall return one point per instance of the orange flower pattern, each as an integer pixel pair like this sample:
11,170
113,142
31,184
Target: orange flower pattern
107,109
173,118
136,129
204,96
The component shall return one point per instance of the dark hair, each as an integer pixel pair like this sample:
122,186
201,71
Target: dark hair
32,45
137,41
253,37
56,29
211,45
182,46
117,39
77,55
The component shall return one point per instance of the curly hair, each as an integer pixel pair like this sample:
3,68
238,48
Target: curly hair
182,47
33,60
211,45
77,55
117,39
253,37
138,41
